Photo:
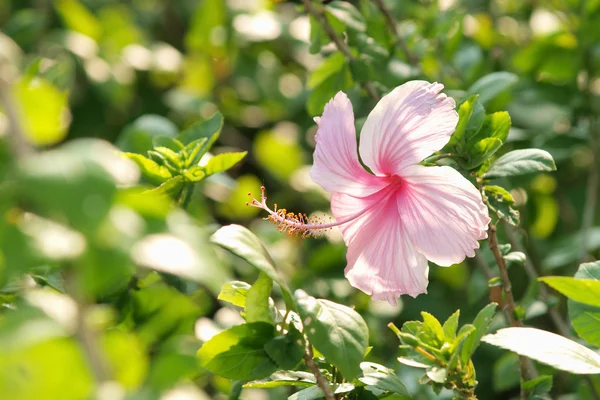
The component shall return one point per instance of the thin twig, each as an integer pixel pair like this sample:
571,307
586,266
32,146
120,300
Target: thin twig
398,40
314,368
86,337
560,323
20,145
339,42
591,198
525,370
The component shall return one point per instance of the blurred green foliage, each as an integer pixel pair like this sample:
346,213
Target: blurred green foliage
81,250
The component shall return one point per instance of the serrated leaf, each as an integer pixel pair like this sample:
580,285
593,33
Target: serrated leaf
501,201
286,350
585,291
548,348
223,353
195,150
337,331
170,187
481,151
234,292
209,129
174,159
222,162
149,168
380,378
244,244
168,142
520,162
491,85
481,323
348,14
257,301
586,319
450,326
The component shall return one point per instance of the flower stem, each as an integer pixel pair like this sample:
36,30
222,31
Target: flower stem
398,40
319,15
526,368
314,368
236,390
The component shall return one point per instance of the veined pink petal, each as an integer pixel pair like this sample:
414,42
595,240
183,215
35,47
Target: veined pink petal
336,167
442,213
407,125
382,260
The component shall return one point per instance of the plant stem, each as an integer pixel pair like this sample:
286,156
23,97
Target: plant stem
319,15
398,40
526,369
314,368
437,157
559,322
236,390
186,195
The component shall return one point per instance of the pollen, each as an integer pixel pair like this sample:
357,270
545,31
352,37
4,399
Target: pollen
294,224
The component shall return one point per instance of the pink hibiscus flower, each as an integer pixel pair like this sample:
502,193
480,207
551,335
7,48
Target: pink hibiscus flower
403,214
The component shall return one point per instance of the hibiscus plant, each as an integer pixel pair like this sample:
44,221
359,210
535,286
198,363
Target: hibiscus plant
420,261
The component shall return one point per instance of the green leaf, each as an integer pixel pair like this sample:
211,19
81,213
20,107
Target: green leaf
586,319
234,292
149,168
43,109
337,331
497,125
168,142
501,201
284,378
195,150
482,322
548,348
173,159
348,14
520,162
318,36
332,65
585,291
257,301
223,162
465,110
244,244
67,184
209,129
540,385
432,329
321,94
438,375
381,379
287,350
491,85
137,137
170,187
450,327
238,353
481,151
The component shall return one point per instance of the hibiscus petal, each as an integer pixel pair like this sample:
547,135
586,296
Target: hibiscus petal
336,167
382,261
407,125
345,207
442,213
